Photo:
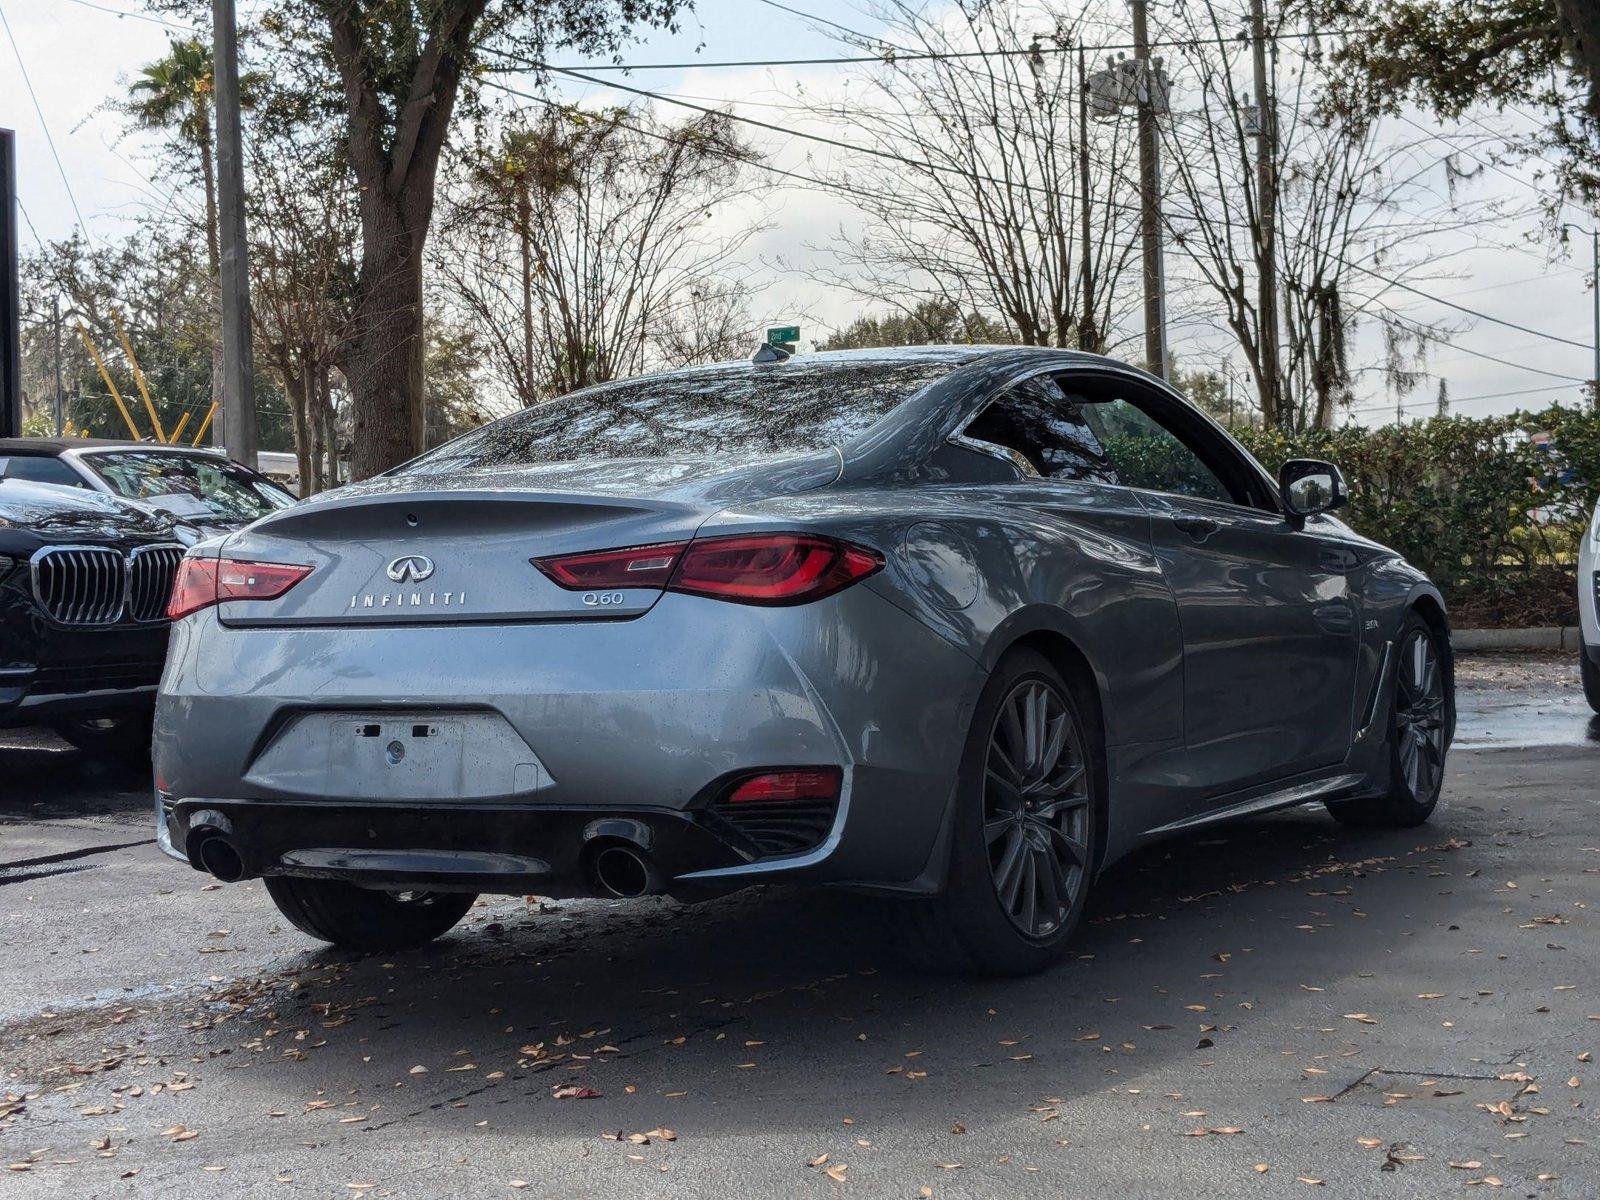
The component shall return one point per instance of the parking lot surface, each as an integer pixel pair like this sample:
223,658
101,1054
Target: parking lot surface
1280,1007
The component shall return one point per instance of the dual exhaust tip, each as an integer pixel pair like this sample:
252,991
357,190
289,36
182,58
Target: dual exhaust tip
616,869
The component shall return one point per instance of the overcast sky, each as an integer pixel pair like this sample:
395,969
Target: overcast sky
75,51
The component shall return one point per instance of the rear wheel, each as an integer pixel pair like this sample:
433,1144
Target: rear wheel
1021,857
358,918
1590,670
1418,723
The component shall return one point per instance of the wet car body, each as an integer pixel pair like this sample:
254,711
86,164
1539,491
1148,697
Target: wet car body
486,728
84,581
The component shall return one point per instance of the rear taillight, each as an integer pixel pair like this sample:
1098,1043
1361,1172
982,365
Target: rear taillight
777,787
759,568
772,568
202,582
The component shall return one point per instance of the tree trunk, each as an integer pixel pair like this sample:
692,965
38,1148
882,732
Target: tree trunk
208,175
297,389
525,237
382,359
328,431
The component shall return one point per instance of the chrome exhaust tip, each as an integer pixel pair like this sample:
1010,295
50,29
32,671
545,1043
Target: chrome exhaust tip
623,872
218,856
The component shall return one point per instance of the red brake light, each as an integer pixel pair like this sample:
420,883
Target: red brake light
780,786
772,568
202,582
634,566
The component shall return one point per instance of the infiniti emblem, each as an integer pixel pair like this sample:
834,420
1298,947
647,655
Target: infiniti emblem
410,568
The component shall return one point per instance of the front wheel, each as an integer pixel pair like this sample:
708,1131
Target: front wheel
1418,727
122,736
1021,857
358,918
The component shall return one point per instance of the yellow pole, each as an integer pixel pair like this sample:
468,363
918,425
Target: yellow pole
138,378
88,344
205,425
182,425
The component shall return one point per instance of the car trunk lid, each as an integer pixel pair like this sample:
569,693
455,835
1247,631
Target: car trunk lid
430,550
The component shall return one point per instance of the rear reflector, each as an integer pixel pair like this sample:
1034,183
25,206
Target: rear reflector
776,787
760,568
202,582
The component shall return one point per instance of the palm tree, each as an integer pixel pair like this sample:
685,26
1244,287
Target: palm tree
173,94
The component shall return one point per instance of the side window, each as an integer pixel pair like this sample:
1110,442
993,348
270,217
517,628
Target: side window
1146,454
39,469
1048,429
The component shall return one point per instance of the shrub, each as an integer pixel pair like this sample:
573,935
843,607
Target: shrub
1491,515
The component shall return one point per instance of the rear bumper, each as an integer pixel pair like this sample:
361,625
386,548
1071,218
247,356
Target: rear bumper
634,727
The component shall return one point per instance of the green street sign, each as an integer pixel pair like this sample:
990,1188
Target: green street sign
780,335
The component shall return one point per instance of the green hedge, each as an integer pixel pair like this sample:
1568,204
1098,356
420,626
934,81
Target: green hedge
1475,502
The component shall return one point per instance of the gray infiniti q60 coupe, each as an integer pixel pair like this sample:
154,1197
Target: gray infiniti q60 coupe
960,626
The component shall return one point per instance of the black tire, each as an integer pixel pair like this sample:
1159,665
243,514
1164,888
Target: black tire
121,736
1031,841
1419,714
358,918
1590,670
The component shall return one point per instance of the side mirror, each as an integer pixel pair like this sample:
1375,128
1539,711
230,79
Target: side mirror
1309,486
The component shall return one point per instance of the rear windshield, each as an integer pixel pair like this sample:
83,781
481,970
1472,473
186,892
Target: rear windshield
737,409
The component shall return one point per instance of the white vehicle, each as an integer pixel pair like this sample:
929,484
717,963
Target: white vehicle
203,488
1588,617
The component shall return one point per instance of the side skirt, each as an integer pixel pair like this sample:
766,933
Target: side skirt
1326,787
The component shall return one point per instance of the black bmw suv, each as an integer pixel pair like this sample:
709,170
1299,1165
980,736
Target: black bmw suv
84,584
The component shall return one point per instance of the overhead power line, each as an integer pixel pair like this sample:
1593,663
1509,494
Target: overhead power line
1454,400
43,124
839,187
136,16
1471,312
896,55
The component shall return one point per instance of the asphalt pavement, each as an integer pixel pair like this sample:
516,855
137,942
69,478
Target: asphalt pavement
1282,1007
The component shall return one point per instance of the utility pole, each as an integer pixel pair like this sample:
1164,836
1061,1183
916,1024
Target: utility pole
1155,302
1267,210
1594,252
237,430
1594,384
10,294
1086,328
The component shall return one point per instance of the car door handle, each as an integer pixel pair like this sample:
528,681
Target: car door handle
1199,528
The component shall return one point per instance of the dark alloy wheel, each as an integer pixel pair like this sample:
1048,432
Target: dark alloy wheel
1023,826
1036,808
1419,736
1420,715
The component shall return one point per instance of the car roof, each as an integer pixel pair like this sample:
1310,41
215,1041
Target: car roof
46,445
42,446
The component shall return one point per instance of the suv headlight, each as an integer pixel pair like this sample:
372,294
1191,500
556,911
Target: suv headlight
1594,536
